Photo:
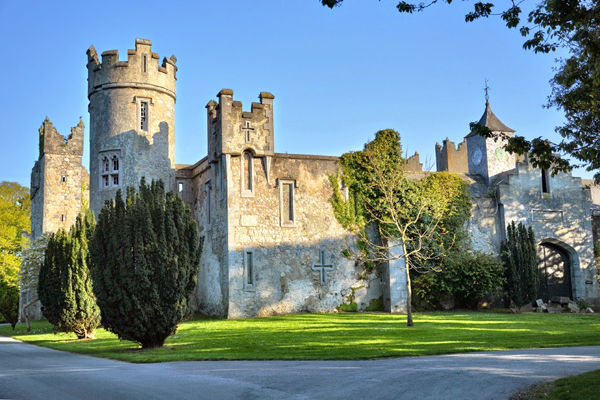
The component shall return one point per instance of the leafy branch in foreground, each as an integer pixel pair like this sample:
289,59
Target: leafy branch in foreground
573,25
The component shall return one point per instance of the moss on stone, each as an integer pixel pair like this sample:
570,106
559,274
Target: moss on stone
352,307
375,305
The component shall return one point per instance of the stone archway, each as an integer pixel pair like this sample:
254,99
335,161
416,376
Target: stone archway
555,266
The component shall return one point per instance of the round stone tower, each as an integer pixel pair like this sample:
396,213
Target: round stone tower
132,120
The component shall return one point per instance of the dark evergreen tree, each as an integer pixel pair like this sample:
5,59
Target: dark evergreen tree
145,256
65,285
519,255
9,303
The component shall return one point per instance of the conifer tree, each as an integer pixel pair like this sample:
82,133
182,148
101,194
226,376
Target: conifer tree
9,303
145,256
519,255
65,286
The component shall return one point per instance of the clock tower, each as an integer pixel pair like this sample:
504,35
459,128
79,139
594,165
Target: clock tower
486,156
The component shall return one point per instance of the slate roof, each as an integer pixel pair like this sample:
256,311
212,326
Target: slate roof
489,120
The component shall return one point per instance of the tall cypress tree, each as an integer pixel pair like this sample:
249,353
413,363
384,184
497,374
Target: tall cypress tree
145,256
519,255
65,286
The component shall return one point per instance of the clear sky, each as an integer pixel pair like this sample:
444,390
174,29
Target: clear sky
338,75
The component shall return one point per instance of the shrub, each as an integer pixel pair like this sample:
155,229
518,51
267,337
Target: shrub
145,256
467,277
9,303
65,286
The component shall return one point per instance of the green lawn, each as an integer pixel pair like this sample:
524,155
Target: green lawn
580,387
344,336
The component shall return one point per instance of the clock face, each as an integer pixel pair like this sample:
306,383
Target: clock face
476,157
500,154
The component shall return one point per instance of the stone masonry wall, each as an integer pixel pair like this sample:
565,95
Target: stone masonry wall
202,190
451,158
563,218
284,254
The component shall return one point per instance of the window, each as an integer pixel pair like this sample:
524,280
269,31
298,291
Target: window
207,189
143,105
286,202
180,188
247,174
144,63
110,169
63,178
144,116
249,281
247,129
545,183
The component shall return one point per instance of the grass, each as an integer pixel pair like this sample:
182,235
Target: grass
344,336
580,387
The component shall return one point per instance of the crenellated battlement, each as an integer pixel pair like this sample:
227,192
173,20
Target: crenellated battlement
141,70
52,142
231,130
452,158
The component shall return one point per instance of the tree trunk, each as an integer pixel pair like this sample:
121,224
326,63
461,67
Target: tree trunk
24,313
409,318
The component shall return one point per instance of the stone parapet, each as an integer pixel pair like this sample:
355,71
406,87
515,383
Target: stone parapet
140,71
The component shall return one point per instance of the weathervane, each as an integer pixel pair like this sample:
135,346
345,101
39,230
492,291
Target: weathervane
487,94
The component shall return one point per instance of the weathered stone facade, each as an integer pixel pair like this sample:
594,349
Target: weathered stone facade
272,244
59,186
505,188
132,120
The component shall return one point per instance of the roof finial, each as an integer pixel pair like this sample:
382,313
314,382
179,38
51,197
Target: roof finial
487,94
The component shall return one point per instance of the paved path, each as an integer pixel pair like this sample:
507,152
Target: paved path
30,372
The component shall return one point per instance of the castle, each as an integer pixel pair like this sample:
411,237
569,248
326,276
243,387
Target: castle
272,243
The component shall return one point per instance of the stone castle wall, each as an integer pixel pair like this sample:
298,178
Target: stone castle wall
285,252
562,218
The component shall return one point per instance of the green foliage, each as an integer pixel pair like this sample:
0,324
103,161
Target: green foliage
466,277
65,286
15,214
145,256
344,210
435,207
9,303
449,204
573,26
519,256
424,217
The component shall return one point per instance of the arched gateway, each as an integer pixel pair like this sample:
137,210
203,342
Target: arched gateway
556,261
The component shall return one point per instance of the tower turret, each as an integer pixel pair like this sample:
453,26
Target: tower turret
58,180
132,120
234,132
486,156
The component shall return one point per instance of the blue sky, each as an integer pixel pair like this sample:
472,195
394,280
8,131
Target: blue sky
338,75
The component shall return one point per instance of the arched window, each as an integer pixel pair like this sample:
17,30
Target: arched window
110,169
